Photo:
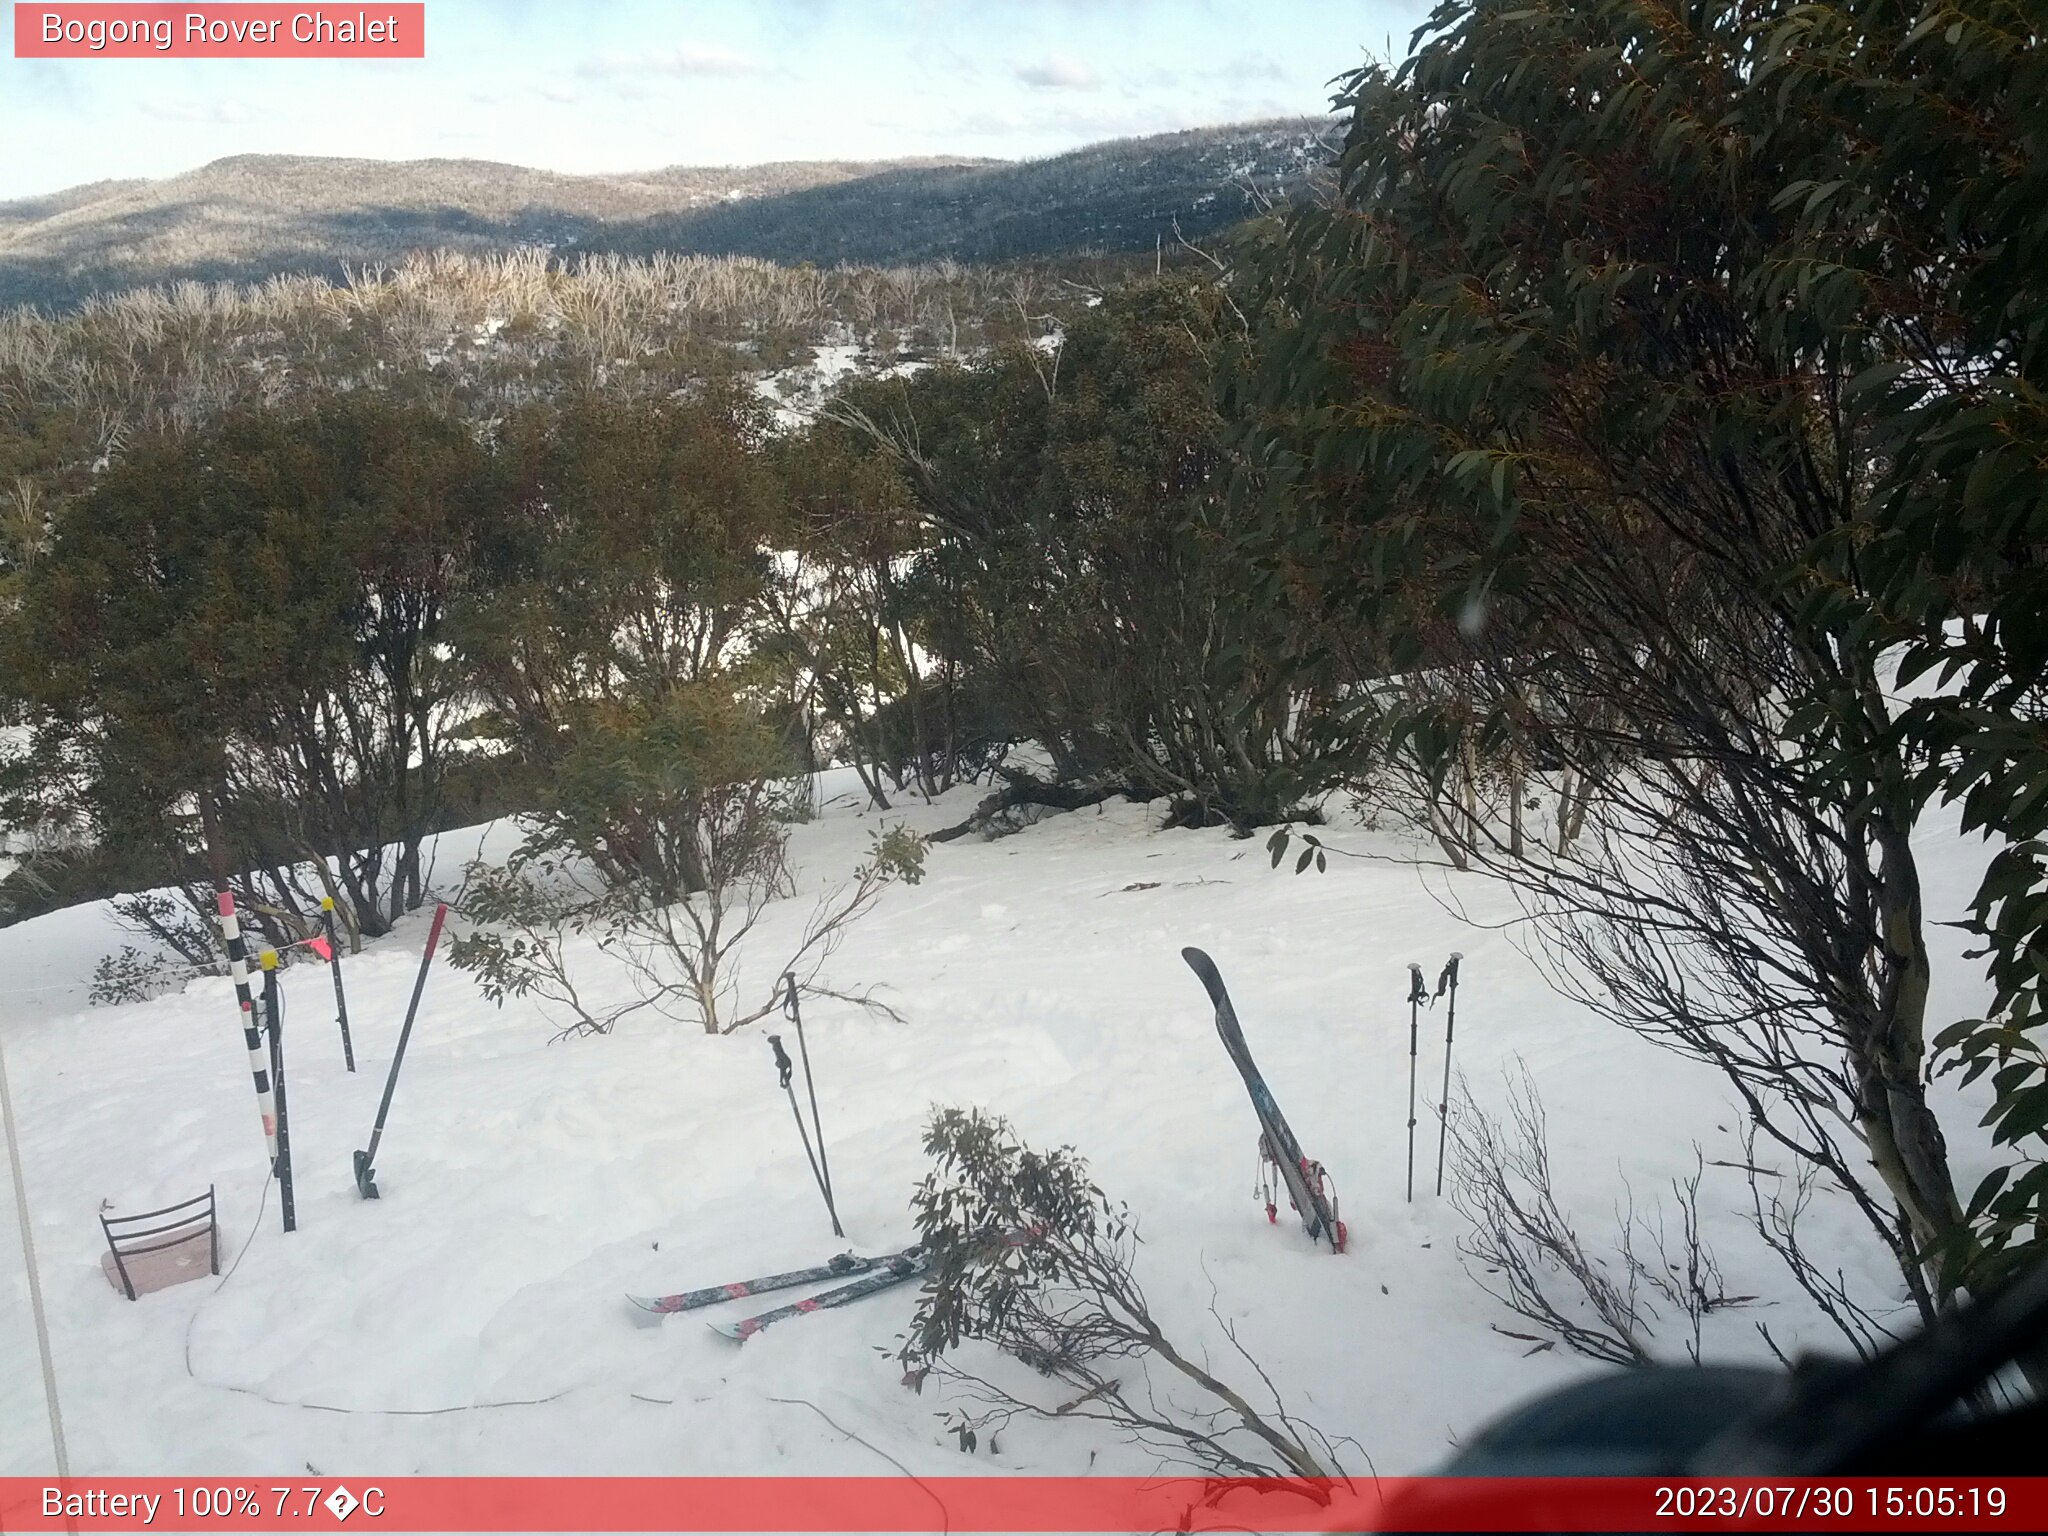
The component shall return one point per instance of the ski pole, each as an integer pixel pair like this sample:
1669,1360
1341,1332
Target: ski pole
786,1068
252,1028
1448,979
366,1160
1418,994
348,1050
794,1013
273,1020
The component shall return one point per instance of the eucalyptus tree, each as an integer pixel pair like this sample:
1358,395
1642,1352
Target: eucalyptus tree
1585,369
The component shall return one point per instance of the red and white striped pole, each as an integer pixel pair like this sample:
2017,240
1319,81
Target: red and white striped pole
252,1025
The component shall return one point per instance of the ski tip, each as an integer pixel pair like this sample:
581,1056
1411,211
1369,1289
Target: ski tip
1205,970
648,1303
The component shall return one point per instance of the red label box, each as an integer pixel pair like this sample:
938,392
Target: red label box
104,31
1021,1504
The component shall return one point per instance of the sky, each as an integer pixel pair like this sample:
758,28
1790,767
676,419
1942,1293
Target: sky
629,85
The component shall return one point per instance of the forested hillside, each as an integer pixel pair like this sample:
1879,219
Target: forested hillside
256,216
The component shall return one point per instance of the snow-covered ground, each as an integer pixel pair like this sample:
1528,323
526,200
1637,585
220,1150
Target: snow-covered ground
528,1187
797,394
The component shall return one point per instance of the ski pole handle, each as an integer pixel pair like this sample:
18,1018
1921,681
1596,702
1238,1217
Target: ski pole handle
783,1065
434,934
1418,989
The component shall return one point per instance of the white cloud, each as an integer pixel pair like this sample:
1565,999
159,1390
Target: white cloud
690,59
1058,72
224,111
1252,66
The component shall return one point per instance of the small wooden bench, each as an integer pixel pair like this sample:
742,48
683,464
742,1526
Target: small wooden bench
183,1245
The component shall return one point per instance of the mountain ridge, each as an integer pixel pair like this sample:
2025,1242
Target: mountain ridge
252,216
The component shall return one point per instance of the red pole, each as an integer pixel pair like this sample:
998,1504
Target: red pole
366,1160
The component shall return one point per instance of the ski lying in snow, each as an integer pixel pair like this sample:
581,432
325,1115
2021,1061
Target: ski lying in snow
893,1270
1305,1180
711,1295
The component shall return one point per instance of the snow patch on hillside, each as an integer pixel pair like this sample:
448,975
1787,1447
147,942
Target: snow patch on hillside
798,394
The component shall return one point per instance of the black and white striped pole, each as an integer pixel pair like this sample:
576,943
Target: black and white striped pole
273,1024
252,1026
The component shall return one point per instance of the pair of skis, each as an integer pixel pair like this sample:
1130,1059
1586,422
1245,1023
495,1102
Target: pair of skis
873,1275
1309,1189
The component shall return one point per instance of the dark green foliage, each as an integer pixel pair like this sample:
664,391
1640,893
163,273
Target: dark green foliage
1920,190
1064,511
2004,1210
1587,393
64,877
248,616
998,1223
628,548
525,916
132,975
671,794
1027,1254
1937,201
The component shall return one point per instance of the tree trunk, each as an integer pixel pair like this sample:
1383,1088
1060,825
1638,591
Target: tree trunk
1906,1144
1515,791
217,859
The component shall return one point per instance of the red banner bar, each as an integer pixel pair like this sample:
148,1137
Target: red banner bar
375,30
1014,1504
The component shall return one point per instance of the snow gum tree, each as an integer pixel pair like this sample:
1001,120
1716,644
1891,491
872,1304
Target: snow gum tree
1028,1255
239,626
630,549
1072,499
703,787
1927,186
1597,365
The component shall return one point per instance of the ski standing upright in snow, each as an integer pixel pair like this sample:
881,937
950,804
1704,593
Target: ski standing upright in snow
1308,1186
